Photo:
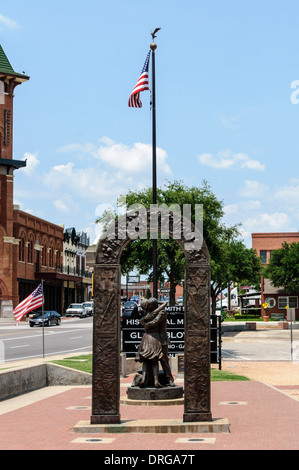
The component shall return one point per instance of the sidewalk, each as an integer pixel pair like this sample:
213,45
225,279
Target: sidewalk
263,414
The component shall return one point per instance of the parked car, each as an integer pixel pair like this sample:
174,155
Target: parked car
49,317
76,310
130,310
89,307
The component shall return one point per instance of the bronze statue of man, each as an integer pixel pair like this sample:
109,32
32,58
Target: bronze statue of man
154,344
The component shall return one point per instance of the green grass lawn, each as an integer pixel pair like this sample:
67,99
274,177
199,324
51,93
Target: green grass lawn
218,375
84,364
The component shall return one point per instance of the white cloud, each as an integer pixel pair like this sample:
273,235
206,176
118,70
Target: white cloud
251,205
219,162
242,207
225,159
231,209
31,163
230,123
83,183
135,159
8,22
253,189
93,232
288,194
60,171
268,222
250,163
77,148
125,159
110,169
67,204
61,206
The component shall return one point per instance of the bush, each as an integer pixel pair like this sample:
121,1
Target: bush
224,314
252,311
246,316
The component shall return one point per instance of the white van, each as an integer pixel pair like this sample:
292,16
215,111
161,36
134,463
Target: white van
234,301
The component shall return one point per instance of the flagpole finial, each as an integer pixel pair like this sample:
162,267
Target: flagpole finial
153,46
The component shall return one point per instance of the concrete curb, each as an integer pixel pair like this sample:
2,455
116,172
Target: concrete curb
28,379
155,426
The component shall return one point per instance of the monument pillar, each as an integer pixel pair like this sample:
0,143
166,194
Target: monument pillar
197,344
106,345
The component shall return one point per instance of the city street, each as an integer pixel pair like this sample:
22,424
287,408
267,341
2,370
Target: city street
22,342
264,344
75,336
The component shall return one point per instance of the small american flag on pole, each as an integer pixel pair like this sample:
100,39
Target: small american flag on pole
141,85
31,302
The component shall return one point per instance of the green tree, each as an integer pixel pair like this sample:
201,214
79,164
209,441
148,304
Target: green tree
283,269
171,260
226,252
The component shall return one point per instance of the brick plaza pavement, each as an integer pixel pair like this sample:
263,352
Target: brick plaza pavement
261,417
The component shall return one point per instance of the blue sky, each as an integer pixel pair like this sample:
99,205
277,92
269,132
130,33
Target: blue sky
224,70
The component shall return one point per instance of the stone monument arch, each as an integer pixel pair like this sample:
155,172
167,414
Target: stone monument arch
107,308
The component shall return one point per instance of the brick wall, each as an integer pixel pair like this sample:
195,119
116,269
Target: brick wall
272,241
267,242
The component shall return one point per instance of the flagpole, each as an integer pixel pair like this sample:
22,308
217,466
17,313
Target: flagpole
43,318
153,47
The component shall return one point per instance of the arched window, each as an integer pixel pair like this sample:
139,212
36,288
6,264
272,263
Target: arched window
44,256
44,251
51,254
22,247
58,256
30,248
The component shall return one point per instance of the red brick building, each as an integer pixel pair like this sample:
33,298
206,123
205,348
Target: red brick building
31,249
9,247
276,298
40,251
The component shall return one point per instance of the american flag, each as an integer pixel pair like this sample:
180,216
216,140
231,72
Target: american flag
141,85
31,302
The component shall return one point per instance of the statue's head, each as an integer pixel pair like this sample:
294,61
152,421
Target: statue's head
152,304
144,304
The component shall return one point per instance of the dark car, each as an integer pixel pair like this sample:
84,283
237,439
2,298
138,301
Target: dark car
50,317
130,310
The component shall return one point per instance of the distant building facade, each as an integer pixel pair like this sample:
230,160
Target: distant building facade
77,288
276,298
